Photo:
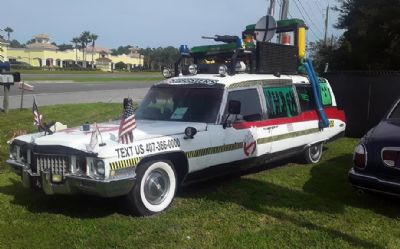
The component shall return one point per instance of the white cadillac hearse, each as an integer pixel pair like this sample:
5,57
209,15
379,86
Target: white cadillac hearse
229,107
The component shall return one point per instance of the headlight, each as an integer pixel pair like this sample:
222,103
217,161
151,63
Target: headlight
13,152
167,73
223,70
193,69
100,167
240,67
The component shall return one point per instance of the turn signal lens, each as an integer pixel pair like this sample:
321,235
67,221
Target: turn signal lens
390,157
360,156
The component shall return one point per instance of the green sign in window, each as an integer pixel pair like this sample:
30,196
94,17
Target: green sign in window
280,102
325,94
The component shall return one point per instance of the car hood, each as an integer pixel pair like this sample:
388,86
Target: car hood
78,139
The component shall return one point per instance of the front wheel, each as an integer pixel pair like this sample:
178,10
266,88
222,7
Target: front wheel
313,153
155,188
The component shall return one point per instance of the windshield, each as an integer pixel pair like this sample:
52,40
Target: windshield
181,104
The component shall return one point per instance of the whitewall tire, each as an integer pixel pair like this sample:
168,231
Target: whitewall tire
154,189
313,153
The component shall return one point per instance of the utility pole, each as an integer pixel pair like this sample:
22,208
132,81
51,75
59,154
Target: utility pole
283,16
326,26
271,10
284,9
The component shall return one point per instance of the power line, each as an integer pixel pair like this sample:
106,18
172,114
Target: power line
311,20
315,12
319,5
301,13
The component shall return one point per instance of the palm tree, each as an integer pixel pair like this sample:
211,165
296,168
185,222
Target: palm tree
84,39
8,30
93,37
76,41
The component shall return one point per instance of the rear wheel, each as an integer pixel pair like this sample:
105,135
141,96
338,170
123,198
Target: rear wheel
313,153
155,188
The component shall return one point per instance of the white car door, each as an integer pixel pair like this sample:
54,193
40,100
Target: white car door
238,140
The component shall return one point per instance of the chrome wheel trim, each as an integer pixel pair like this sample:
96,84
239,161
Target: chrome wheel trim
154,175
156,186
315,152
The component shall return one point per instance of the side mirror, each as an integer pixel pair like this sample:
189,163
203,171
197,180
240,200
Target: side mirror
234,107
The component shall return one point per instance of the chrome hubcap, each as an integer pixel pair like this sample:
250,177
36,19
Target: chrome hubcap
156,186
315,152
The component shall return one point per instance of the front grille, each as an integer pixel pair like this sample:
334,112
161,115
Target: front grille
56,164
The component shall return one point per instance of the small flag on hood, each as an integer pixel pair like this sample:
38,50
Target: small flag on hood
37,117
94,139
128,124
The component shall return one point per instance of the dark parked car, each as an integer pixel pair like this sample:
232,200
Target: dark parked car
376,161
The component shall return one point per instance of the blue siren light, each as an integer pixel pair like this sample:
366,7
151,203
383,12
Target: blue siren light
184,50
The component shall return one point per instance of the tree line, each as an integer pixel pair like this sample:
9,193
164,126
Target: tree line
371,40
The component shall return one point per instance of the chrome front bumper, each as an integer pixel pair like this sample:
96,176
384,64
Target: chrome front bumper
73,184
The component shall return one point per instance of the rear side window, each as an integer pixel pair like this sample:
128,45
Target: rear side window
280,102
396,112
306,96
250,108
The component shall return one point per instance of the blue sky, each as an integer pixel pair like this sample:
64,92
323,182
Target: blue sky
148,23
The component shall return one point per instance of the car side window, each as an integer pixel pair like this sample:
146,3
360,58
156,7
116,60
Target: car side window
396,112
281,102
250,103
306,98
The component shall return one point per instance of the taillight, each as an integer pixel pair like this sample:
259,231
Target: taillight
390,157
360,156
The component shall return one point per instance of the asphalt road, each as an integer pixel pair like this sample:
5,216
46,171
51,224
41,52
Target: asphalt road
97,75
68,93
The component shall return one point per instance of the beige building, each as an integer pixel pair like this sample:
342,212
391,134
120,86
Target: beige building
41,53
3,50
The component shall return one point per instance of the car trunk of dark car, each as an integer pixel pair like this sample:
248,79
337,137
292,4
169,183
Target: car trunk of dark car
385,134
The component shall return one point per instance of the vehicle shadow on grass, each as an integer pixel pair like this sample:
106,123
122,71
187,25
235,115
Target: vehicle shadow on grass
329,181
76,206
327,192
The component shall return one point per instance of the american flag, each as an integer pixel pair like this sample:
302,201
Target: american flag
128,124
37,117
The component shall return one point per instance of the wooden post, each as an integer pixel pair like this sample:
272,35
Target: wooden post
6,95
22,97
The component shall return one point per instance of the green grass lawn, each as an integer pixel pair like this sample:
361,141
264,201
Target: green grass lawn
290,206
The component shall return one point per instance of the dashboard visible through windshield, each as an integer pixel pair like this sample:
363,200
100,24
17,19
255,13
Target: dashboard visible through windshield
182,104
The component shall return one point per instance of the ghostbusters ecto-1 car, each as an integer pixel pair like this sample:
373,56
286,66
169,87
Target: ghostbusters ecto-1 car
227,107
